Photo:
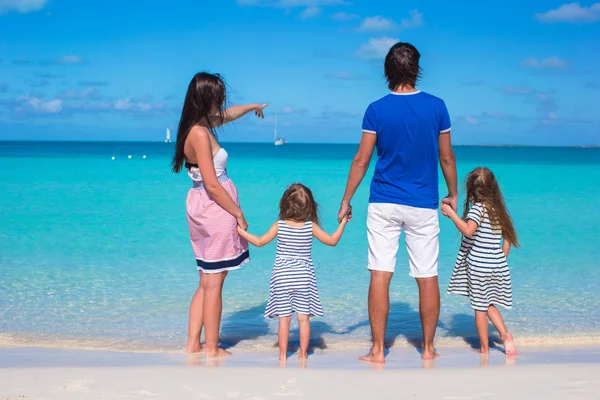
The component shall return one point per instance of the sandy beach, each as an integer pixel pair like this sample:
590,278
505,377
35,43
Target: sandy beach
549,373
574,381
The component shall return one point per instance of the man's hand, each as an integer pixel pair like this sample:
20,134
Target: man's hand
345,212
452,201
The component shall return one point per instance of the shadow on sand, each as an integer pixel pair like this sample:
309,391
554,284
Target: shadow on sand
403,322
463,326
249,324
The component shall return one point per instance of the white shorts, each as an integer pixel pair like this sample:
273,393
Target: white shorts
421,228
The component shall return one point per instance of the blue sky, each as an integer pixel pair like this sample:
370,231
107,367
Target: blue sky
525,72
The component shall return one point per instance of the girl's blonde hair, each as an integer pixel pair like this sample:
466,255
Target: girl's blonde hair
298,204
483,188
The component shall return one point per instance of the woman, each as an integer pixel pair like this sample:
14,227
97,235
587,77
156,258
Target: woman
212,204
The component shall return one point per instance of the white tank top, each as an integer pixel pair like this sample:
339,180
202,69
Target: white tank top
219,161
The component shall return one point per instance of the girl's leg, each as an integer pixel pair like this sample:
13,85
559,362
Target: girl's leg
196,321
284,335
481,322
304,323
212,285
506,337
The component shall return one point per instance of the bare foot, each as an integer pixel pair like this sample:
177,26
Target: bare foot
197,348
283,357
283,362
429,355
302,355
485,360
220,353
373,358
509,346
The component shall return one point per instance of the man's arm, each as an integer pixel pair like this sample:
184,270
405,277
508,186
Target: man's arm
448,164
359,167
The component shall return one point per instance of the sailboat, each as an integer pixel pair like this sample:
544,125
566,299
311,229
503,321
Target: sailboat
278,141
168,138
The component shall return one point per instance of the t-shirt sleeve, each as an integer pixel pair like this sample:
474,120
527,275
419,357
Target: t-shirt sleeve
444,119
475,213
368,125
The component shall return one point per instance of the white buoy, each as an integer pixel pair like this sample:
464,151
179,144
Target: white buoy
129,156
144,156
113,157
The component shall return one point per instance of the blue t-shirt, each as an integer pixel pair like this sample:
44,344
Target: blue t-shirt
407,128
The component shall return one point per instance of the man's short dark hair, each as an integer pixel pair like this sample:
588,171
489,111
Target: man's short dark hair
401,65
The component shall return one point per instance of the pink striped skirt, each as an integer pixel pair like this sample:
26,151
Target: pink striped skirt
213,232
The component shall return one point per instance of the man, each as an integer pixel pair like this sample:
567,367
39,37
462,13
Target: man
411,130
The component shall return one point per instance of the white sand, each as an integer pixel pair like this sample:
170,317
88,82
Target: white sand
566,381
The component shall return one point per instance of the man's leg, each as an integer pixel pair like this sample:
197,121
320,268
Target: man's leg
383,233
379,309
421,229
429,309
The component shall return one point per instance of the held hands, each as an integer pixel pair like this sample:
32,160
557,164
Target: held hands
447,209
258,110
345,212
449,205
242,223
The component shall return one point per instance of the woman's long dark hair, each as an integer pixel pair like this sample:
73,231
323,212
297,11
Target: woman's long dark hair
204,103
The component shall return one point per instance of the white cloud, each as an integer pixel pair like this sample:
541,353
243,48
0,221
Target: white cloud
376,48
471,120
69,59
517,90
310,12
572,13
381,24
344,16
87,93
376,24
289,3
546,63
289,110
21,6
128,105
415,20
34,105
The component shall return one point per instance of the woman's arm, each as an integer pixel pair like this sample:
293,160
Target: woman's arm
259,241
200,141
467,228
358,169
506,247
235,112
330,240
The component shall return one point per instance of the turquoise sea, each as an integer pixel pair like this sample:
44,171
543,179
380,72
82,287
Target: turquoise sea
95,252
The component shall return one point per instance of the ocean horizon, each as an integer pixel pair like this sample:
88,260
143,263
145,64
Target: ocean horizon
96,253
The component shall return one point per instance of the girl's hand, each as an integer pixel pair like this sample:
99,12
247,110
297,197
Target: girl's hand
242,223
240,230
258,110
447,209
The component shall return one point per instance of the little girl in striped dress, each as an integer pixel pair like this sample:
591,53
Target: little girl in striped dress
293,286
481,270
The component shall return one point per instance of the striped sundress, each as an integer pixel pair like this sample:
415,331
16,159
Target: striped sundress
293,286
481,271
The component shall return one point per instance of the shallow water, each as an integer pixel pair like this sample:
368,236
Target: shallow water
95,252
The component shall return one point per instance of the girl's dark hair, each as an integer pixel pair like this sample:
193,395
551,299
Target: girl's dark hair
483,188
401,66
298,205
204,103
